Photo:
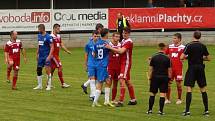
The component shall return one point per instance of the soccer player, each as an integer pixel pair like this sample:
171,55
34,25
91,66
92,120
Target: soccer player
12,57
44,55
125,67
114,64
90,64
55,61
98,28
196,53
159,74
102,58
174,51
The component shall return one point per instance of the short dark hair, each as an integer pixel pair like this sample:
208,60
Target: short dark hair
178,35
41,26
161,46
99,25
11,32
104,32
197,34
95,32
116,33
56,25
127,29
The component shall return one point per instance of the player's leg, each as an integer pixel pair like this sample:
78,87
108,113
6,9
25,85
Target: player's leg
153,91
114,88
168,95
40,65
122,92
189,82
97,94
131,93
15,73
203,85
167,101
9,69
49,77
92,87
107,93
60,75
179,89
163,86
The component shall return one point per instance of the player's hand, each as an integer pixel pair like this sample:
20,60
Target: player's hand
69,52
25,60
85,68
108,46
48,59
6,61
94,54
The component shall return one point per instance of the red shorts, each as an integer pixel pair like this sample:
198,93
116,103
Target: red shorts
16,63
177,74
55,62
114,74
125,72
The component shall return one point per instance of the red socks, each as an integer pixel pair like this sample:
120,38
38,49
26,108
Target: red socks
122,94
8,73
131,92
14,82
60,75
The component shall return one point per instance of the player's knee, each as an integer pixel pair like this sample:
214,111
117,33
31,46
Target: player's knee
39,71
203,89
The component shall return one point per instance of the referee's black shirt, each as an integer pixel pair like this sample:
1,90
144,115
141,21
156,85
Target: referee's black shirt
160,63
195,52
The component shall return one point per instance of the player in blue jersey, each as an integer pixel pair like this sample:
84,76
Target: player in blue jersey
102,59
98,28
44,55
90,65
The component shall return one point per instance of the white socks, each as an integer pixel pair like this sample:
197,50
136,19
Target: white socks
107,94
98,93
39,81
87,83
92,88
49,82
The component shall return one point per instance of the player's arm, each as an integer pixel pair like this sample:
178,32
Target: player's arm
51,52
6,57
182,57
64,48
23,51
119,50
169,72
85,60
150,72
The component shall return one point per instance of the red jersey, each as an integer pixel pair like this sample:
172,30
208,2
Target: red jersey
57,44
114,58
126,57
13,49
174,53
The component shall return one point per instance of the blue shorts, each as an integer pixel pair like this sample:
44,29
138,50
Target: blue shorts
42,62
102,74
91,71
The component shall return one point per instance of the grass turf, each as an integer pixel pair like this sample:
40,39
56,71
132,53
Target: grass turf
72,104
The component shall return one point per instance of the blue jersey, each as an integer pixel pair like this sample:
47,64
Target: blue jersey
89,49
44,44
102,53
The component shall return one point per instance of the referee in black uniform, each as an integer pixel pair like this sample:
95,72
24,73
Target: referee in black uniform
159,74
196,53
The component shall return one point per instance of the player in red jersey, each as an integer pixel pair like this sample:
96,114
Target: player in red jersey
55,61
174,51
125,67
12,57
114,64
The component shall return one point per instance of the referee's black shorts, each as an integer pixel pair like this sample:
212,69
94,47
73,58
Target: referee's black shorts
159,83
195,73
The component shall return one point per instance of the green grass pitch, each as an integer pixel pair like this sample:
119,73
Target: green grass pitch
72,104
